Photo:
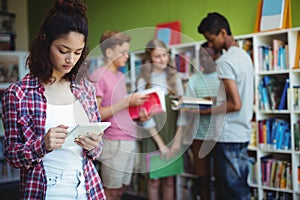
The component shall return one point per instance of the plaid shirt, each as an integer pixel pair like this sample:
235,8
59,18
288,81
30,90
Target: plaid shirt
24,118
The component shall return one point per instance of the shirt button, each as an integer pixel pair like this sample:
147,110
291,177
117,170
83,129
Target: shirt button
88,191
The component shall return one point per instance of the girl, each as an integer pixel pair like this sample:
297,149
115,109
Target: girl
39,109
157,71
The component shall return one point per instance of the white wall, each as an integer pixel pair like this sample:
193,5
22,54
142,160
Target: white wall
21,25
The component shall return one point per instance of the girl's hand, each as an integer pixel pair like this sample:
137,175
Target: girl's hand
89,141
137,99
55,137
164,151
174,150
143,116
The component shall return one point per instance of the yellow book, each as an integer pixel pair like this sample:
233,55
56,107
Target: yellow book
297,55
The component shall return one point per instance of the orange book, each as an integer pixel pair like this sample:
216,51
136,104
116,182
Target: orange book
297,55
298,176
287,18
258,17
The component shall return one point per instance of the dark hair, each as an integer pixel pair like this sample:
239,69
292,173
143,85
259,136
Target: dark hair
205,46
147,67
213,23
64,17
110,39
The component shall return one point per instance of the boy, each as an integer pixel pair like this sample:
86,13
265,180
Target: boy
234,108
119,139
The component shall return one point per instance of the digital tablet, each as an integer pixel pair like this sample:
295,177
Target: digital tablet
83,129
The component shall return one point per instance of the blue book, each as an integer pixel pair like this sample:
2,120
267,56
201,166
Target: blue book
265,98
283,98
273,133
280,129
269,123
268,85
287,140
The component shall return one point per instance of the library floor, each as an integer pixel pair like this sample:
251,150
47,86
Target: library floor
9,191
131,197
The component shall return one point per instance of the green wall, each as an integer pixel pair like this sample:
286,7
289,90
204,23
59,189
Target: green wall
126,15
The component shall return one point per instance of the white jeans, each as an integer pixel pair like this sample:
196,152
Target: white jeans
65,184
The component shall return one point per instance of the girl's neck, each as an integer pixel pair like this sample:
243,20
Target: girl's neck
57,77
157,70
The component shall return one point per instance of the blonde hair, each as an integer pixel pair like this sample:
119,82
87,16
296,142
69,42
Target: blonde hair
147,67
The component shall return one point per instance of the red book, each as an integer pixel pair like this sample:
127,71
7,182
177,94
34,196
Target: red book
154,105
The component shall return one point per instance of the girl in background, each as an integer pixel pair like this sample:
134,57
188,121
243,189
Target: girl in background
157,71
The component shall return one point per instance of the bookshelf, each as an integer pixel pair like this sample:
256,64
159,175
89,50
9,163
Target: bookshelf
12,68
277,159
7,30
261,47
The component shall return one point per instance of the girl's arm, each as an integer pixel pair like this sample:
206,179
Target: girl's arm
134,99
24,147
158,140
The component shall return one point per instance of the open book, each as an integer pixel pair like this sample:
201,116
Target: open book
191,102
155,103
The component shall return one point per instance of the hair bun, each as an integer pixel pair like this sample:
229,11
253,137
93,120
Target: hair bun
71,6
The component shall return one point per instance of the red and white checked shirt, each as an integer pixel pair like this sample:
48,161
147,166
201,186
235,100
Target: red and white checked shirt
24,118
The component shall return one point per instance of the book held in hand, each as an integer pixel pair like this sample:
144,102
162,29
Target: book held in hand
154,105
159,168
191,102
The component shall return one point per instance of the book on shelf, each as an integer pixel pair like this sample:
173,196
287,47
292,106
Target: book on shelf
183,63
283,99
159,168
297,55
297,135
274,57
276,173
155,103
252,177
272,92
298,179
185,102
274,134
270,195
279,54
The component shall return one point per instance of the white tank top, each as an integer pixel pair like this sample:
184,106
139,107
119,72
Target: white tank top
69,156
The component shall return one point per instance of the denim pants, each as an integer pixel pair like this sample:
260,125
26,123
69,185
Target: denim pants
232,171
65,185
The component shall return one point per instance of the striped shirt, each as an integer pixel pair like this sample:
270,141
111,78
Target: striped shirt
202,85
24,117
